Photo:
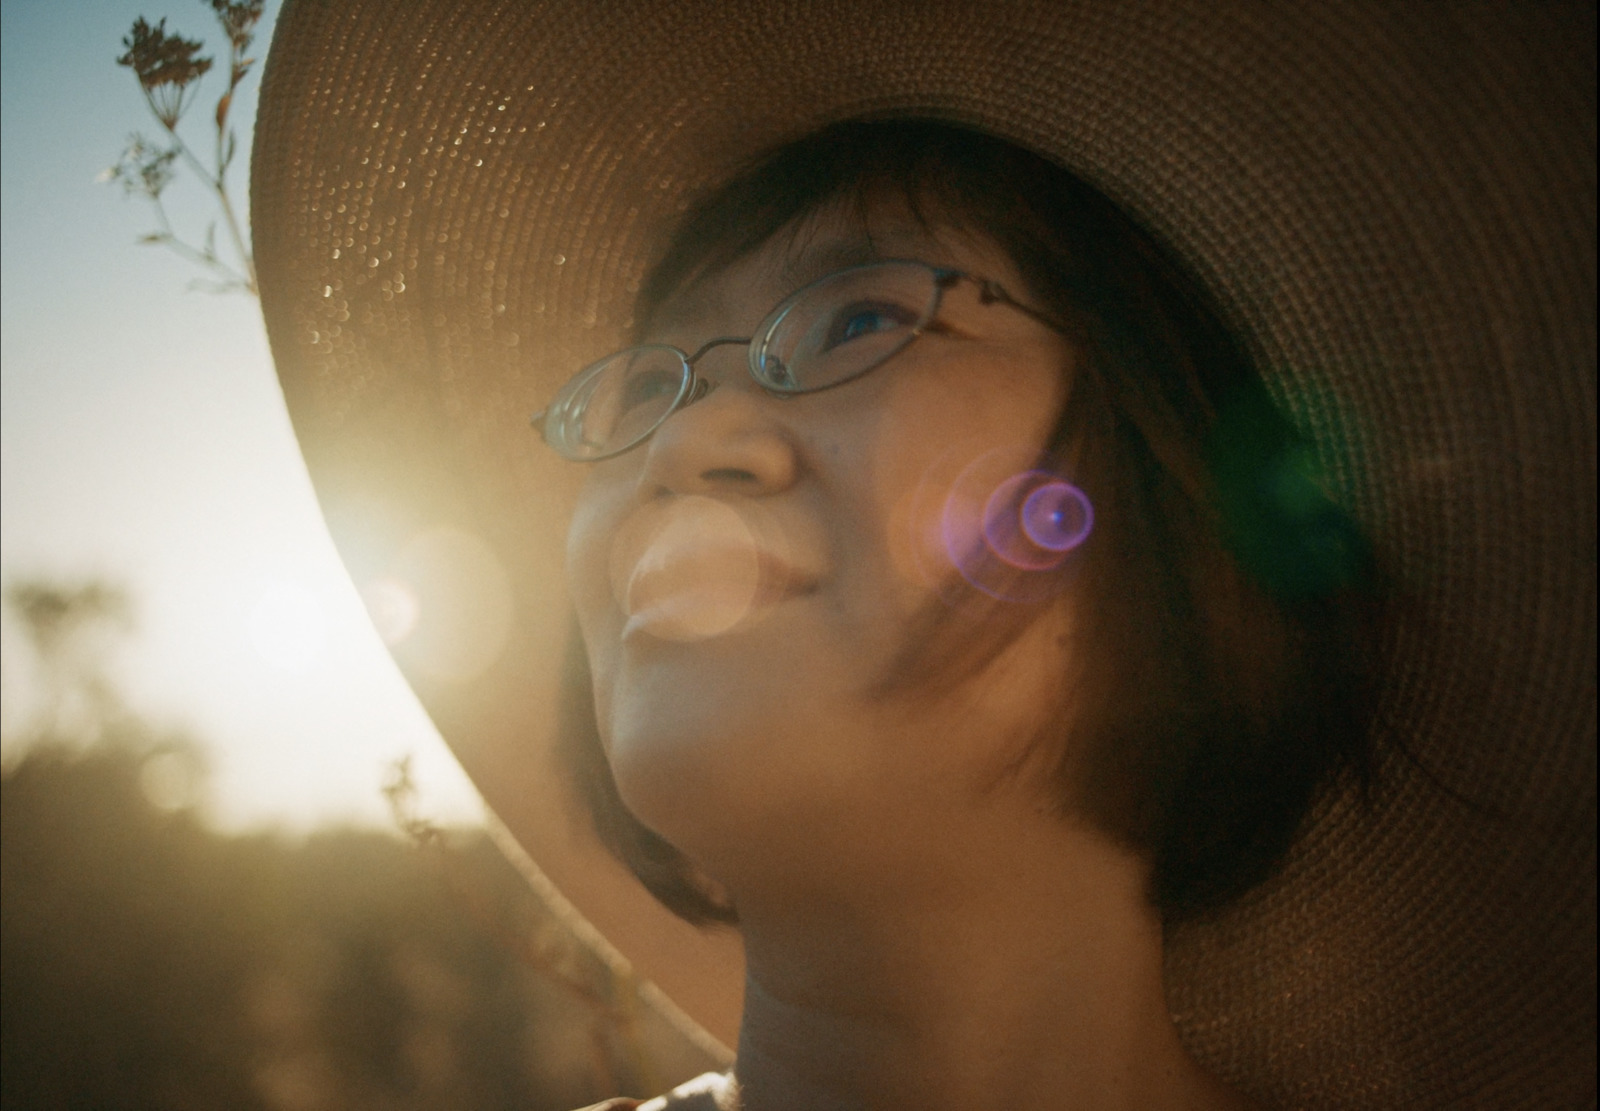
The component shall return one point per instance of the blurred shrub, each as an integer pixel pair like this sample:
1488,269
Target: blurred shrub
147,961
151,963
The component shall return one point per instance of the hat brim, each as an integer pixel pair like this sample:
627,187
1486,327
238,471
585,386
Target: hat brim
1394,203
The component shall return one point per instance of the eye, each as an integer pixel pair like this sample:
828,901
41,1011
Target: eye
649,387
866,319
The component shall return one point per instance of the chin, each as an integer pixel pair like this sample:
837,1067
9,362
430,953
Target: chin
717,784
674,768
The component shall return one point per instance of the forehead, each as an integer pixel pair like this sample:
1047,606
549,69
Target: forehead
818,244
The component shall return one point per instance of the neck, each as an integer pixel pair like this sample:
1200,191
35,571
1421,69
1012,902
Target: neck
988,989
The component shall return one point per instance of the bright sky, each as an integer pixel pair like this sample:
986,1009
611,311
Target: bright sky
143,440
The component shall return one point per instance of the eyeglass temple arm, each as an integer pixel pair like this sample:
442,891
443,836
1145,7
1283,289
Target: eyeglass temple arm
990,291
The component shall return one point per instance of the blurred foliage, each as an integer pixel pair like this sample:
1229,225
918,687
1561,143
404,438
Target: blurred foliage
151,962
72,628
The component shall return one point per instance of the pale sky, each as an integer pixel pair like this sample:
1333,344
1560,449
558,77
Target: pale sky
143,440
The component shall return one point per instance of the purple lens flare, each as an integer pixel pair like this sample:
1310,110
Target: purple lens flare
1032,520
1057,516
1006,536
1006,530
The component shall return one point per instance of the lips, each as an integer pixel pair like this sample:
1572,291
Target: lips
697,567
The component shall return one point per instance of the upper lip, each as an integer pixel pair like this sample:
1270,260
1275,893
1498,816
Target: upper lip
678,544
775,576
781,579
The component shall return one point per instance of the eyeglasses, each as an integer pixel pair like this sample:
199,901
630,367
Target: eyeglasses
828,333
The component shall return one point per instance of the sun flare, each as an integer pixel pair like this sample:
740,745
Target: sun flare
288,628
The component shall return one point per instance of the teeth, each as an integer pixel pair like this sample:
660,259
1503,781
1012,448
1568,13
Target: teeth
697,576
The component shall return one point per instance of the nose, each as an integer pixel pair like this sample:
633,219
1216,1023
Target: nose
731,440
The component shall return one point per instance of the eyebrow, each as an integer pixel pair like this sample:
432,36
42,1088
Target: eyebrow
808,257
803,266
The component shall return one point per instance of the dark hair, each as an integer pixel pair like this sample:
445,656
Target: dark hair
1231,603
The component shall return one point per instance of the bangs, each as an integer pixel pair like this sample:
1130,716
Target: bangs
944,177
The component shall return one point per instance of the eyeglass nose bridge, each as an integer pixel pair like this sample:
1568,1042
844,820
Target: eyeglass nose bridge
699,386
720,341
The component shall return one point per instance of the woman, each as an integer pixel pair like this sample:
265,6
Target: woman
983,679
842,606
792,670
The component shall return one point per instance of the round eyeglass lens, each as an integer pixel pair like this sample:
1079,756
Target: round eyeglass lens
618,401
839,328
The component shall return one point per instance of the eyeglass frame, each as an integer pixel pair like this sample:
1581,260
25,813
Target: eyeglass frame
695,388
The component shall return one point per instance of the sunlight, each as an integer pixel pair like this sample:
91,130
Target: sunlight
287,627
393,608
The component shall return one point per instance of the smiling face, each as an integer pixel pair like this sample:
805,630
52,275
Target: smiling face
748,578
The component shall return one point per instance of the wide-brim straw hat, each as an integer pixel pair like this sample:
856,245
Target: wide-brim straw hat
454,201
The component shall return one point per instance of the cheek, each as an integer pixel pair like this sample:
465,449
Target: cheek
929,444
993,398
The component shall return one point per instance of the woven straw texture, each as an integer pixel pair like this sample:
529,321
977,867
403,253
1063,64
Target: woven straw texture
454,201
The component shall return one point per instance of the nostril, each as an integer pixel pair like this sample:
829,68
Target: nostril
729,474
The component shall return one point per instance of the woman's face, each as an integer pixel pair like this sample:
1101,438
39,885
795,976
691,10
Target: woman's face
746,579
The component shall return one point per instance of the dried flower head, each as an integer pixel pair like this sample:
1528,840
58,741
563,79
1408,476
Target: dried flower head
166,66
238,20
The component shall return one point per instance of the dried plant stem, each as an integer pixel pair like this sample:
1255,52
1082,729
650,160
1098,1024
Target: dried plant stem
200,256
217,183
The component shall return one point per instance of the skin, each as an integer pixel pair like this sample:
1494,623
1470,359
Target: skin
920,930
